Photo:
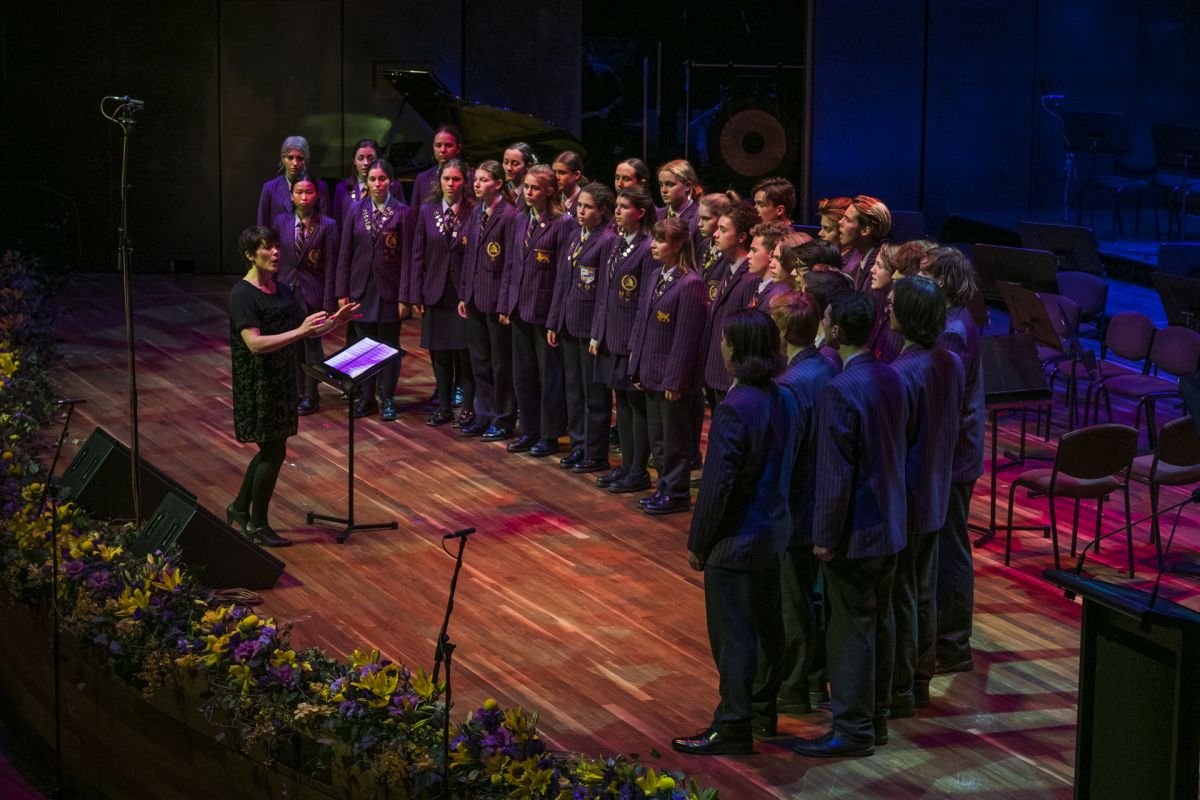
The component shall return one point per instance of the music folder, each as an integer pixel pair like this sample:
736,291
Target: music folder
354,363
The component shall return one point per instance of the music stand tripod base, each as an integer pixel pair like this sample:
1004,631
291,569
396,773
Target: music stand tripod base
351,388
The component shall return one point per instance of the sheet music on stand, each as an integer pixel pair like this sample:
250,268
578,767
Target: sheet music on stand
355,361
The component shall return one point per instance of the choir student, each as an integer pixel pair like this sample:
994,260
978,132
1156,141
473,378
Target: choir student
376,243
861,230
708,256
569,326
774,200
447,144
351,191
763,239
517,159
732,291
276,195
568,172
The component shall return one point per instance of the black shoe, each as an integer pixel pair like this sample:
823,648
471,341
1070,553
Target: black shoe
364,407
763,729
232,515
265,536
387,410
645,501
833,746
961,666
711,743
627,484
439,418
458,397
591,465
306,406
474,429
543,448
666,504
605,481
574,458
522,445
494,434
921,695
881,731
465,419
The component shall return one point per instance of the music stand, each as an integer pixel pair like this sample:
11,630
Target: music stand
1074,246
1028,314
1178,146
1176,258
1033,269
1013,380
1180,298
347,370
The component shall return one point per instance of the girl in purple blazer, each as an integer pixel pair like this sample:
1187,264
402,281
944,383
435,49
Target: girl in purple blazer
569,327
375,246
665,355
276,195
568,171
447,144
434,288
677,181
518,158
308,244
623,281
488,341
538,237
351,191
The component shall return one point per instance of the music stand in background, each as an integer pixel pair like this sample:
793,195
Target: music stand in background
346,370
1177,258
1074,246
1102,133
1180,298
1177,147
1033,269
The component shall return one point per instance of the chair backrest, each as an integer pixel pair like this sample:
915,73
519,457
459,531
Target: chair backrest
1096,451
1129,335
1179,443
1088,290
1176,350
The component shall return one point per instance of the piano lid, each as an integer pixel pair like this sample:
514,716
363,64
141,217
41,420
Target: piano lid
486,130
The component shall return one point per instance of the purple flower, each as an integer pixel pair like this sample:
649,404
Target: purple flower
97,582
238,612
246,651
347,708
73,569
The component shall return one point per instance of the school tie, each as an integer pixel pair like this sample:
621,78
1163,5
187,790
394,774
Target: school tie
301,237
378,218
483,218
529,231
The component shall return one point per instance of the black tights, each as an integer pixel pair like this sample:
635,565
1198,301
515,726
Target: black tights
259,483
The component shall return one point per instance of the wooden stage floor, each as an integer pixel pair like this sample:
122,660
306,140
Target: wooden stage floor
571,602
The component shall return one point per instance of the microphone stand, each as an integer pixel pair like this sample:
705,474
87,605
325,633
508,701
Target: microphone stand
55,555
1194,497
445,653
122,115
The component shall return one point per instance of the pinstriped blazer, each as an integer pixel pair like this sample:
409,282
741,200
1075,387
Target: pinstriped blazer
806,375
381,255
860,498
436,261
533,270
312,273
574,304
664,351
486,258
962,337
628,275
276,199
731,295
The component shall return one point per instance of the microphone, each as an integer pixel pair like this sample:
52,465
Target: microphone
126,100
464,533
74,402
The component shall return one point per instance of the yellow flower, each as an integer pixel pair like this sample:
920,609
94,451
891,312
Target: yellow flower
8,455
648,783
282,657
666,783
108,553
215,647
131,600
240,674
360,659
214,616
381,683
490,704
423,685
248,621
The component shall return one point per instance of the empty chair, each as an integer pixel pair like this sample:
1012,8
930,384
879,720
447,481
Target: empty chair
1087,466
1175,351
1128,335
1174,462
1090,292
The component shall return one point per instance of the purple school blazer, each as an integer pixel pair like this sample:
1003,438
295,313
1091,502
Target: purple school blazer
381,254
732,295
665,351
573,308
485,257
628,274
437,257
311,272
533,270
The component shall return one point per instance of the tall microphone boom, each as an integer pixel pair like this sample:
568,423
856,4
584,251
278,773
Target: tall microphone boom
464,533
126,100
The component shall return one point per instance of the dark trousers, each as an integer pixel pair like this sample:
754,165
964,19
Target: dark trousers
589,404
631,430
803,626
386,333
538,381
913,607
697,400
258,484
490,345
314,354
859,643
450,368
670,423
742,610
955,601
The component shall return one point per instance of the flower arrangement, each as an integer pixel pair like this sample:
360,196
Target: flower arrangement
156,626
